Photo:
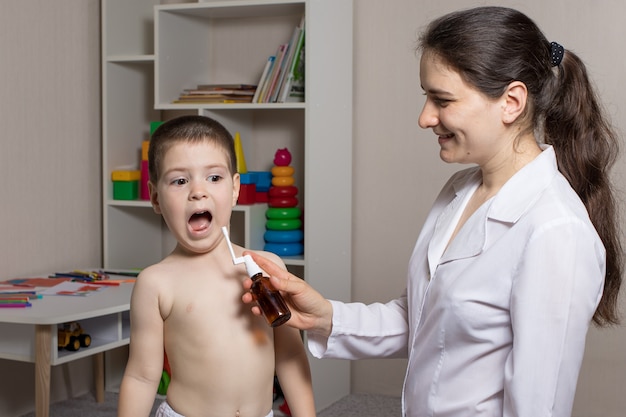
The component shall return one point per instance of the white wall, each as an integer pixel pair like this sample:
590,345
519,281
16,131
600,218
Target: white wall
49,161
50,212
397,171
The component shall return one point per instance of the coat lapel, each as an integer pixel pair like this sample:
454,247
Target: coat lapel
464,187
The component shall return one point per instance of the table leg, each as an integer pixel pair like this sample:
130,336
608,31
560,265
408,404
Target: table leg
43,339
98,373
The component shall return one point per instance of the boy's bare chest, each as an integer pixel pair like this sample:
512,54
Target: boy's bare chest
206,294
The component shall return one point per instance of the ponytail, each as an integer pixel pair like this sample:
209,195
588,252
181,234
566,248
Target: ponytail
586,148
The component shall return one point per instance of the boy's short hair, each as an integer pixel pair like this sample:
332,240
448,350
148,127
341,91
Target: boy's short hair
193,129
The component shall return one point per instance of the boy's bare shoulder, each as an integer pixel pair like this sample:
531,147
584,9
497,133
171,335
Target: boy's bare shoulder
156,283
153,271
271,256
157,275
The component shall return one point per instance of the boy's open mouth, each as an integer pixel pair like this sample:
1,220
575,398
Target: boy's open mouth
200,221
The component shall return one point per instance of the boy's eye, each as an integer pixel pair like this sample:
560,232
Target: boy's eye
214,178
179,181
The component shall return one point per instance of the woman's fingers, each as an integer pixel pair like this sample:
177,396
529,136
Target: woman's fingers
309,309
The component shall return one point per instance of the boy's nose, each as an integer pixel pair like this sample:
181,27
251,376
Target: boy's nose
197,192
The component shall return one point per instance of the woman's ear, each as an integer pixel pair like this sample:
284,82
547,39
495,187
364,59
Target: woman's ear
236,187
515,97
154,197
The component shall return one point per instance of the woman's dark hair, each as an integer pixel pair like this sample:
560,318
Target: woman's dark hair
188,129
492,46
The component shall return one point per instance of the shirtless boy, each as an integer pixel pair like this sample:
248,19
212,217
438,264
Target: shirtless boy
222,357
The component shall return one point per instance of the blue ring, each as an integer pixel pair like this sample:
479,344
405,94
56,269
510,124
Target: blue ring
283,236
285,249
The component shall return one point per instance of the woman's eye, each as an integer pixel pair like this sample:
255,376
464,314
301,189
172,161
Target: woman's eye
441,102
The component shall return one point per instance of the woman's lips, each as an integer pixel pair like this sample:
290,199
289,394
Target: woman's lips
445,138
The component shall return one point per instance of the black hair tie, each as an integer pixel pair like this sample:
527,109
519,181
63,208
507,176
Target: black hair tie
556,53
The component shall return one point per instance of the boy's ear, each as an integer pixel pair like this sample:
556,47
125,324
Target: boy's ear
236,187
515,97
154,197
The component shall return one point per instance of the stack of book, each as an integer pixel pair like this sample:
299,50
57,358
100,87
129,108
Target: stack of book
282,79
218,93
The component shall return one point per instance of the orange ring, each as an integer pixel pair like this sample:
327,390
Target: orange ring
283,181
282,171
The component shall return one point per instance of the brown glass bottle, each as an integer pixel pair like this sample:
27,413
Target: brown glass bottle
269,300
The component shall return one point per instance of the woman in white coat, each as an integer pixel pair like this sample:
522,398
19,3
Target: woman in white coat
520,252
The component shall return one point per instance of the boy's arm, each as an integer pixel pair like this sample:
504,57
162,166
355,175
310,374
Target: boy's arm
292,369
292,364
145,362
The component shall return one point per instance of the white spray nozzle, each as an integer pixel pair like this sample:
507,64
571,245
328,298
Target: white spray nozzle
236,260
251,266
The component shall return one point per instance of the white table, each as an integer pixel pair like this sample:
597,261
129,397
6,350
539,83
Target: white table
30,334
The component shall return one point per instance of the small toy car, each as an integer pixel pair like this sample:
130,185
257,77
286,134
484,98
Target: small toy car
72,337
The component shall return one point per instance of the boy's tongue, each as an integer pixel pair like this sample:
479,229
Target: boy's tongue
199,221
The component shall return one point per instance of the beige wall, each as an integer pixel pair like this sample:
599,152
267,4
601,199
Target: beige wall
50,212
49,118
397,172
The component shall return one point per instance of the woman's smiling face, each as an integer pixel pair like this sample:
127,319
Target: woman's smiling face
468,123
195,193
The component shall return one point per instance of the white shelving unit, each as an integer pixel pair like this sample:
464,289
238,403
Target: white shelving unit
152,51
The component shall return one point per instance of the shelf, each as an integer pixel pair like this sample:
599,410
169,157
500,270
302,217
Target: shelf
231,9
232,106
12,348
132,28
195,43
97,346
130,203
130,58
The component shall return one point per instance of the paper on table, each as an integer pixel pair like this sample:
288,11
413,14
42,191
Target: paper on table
72,288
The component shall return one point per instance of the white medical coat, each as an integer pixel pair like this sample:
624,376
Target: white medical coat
495,324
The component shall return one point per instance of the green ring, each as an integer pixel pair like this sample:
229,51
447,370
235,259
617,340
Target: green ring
283,213
283,224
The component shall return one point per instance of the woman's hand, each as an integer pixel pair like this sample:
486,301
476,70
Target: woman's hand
309,309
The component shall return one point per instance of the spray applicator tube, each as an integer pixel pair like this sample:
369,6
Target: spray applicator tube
268,299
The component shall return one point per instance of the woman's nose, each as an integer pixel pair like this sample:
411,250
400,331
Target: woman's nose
428,118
